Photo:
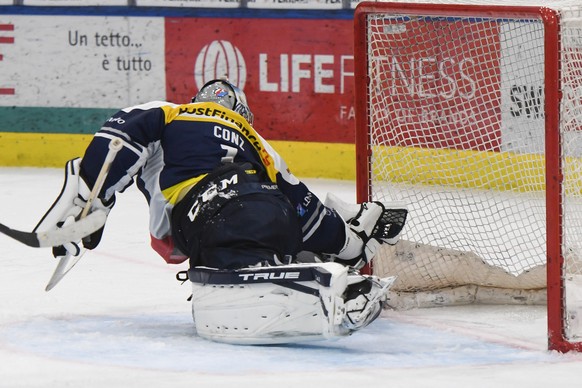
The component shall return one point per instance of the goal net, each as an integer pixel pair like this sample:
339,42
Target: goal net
471,112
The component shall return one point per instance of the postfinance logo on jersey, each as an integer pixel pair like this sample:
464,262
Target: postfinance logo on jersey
211,110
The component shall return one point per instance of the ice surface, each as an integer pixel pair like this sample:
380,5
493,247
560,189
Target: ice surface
120,319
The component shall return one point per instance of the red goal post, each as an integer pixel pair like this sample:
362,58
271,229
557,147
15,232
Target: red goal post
473,114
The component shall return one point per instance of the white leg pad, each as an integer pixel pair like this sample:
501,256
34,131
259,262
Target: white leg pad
270,305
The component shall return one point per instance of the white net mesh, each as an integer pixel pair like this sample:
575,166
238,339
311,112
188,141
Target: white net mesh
457,130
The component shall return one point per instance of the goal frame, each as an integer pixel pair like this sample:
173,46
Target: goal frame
554,176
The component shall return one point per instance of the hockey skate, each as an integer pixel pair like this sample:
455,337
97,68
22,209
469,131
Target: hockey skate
364,299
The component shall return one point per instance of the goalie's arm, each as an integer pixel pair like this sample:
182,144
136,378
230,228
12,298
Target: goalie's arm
323,229
81,175
351,236
140,129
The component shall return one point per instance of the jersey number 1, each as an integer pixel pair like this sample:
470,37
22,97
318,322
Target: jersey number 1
230,153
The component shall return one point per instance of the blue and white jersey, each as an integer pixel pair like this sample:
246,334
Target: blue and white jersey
168,148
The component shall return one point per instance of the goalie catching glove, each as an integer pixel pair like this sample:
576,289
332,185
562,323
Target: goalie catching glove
68,207
368,225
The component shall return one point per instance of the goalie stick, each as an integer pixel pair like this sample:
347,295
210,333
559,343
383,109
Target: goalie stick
56,237
67,262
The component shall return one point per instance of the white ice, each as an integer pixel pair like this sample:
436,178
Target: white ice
121,319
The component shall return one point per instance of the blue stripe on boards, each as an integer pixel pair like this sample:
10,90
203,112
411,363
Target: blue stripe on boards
179,12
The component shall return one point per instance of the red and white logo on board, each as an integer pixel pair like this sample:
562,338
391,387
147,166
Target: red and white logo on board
218,59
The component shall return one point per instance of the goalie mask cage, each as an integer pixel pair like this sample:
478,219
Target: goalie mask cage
472,114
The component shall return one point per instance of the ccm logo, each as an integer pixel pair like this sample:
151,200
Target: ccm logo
269,276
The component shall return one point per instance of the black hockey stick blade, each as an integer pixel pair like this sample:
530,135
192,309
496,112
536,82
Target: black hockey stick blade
55,237
27,238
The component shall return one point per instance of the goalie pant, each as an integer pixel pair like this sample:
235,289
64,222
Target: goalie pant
229,211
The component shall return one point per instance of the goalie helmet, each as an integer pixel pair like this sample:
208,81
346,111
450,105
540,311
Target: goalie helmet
226,94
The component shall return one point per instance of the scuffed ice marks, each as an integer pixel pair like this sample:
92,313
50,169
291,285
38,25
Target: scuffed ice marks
169,342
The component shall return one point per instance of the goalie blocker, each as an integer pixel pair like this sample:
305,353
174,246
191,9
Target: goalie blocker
284,304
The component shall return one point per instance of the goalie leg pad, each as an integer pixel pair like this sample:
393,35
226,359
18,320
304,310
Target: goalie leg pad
283,304
268,305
